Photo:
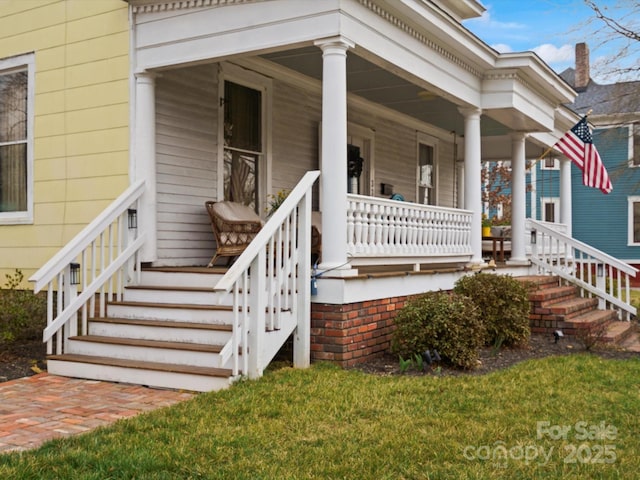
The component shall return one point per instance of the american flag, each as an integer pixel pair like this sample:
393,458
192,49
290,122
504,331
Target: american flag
577,144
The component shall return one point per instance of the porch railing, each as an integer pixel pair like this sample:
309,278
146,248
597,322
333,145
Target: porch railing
271,280
389,231
101,260
550,246
593,271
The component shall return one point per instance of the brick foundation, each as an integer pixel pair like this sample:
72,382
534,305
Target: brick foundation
353,333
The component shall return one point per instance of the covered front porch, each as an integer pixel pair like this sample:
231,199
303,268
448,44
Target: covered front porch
232,110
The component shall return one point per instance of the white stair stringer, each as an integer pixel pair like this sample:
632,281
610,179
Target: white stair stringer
274,339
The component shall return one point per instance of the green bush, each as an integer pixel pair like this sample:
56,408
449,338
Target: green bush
504,307
446,322
22,313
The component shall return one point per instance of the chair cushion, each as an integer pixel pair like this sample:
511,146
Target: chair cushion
235,212
501,231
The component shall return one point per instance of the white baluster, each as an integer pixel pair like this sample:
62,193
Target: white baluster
377,212
389,227
358,229
420,230
403,229
351,241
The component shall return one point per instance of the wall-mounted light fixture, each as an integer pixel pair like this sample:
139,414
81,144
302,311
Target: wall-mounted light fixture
533,237
600,270
132,218
74,274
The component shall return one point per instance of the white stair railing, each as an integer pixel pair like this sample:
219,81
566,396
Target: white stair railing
596,273
101,260
272,278
388,231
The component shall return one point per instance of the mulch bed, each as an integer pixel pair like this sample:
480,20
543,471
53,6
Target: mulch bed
539,346
22,359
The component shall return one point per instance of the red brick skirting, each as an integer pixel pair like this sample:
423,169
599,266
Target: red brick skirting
353,333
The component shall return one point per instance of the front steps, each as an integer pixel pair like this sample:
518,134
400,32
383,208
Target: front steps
556,307
167,332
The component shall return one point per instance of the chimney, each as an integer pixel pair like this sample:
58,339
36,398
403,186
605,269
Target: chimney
581,80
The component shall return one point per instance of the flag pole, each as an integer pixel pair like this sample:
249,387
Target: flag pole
546,152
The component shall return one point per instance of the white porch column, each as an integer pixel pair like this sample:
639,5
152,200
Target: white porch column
565,194
333,179
145,161
472,183
518,199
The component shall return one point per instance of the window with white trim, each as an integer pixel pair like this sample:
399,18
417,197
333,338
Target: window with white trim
550,209
16,139
550,163
633,228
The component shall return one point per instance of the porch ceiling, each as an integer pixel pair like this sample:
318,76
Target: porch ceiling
383,87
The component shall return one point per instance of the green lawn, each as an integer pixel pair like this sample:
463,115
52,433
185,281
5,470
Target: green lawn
572,417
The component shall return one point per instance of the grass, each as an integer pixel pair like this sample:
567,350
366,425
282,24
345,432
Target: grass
328,423
635,297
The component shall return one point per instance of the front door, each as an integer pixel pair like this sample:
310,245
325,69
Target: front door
427,170
243,145
360,160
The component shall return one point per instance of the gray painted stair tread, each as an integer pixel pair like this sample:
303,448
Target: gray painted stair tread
135,342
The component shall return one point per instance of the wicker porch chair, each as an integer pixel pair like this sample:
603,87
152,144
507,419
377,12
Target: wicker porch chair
234,225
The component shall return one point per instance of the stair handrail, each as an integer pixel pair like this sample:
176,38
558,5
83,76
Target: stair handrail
286,235
577,256
71,250
99,254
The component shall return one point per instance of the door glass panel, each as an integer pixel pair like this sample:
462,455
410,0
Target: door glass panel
242,143
426,192
355,163
13,142
549,212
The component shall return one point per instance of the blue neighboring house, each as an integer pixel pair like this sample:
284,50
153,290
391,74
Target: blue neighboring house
610,223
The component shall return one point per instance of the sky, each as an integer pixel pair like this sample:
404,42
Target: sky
550,28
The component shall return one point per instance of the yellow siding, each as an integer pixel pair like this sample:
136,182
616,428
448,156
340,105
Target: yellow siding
51,102
99,71
51,169
50,214
81,124
97,95
100,164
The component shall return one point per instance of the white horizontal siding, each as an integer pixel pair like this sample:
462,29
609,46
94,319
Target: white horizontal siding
186,131
296,116
446,175
395,160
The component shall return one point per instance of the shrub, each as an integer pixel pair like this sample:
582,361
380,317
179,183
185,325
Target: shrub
446,322
22,313
504,307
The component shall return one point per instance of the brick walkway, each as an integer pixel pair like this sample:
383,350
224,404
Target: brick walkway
39,408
